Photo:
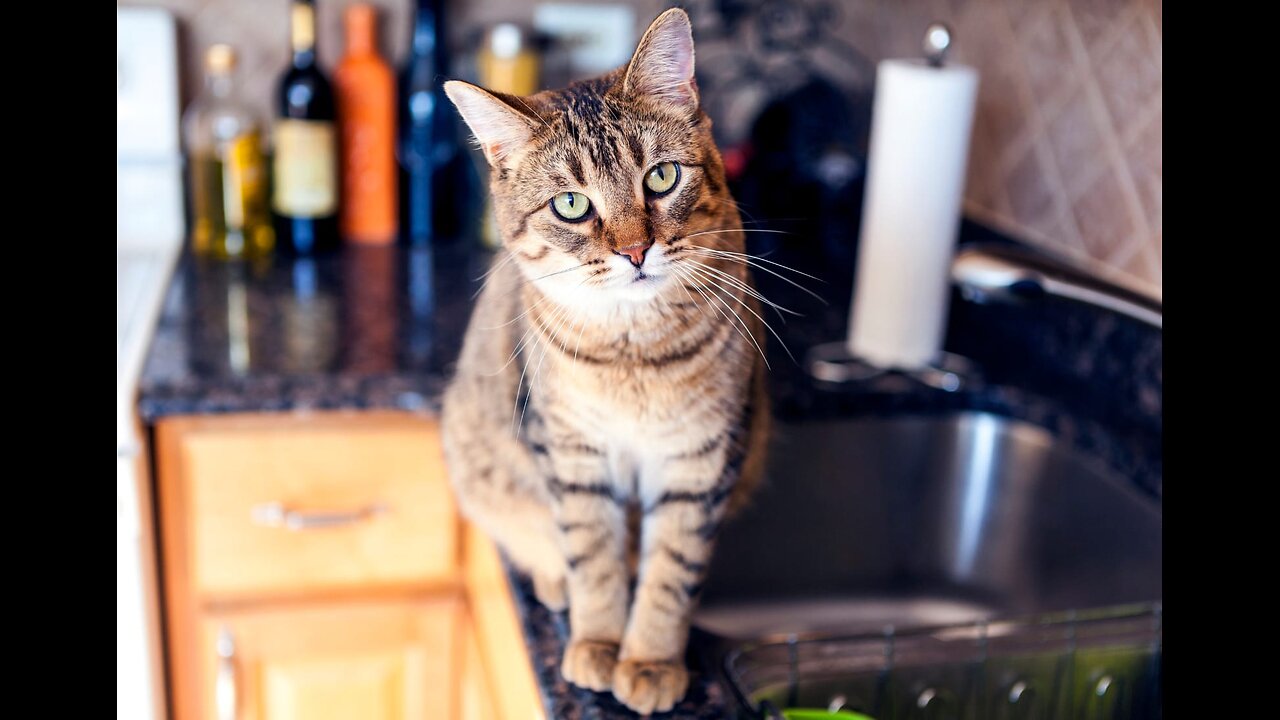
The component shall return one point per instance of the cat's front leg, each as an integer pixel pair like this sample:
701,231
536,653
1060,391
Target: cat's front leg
681,515
591,519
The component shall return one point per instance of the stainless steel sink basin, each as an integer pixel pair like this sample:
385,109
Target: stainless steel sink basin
926,520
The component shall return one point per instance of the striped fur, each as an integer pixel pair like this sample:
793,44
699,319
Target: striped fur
600,411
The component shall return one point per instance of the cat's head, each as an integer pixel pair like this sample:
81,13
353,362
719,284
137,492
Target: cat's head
596,186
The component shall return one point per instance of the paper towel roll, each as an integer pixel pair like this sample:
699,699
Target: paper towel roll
916,166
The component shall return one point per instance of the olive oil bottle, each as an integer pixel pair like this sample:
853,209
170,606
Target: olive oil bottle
228,180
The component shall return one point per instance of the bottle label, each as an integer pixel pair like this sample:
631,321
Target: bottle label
305,169
243,181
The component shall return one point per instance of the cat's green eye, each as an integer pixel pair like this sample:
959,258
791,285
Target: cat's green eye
661,178
571,206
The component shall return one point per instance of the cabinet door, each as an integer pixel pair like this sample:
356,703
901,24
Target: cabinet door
513,689
284,507
474,695
392,660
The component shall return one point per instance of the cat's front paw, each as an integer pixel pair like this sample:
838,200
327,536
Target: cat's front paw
590,663
648,686
550,591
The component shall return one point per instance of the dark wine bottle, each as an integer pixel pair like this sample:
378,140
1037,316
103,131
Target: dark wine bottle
305,198
420,91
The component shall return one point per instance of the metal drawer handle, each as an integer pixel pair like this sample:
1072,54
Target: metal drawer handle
275,514
224,683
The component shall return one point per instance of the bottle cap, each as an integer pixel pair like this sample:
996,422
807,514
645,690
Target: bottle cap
302,26
506,40
220,59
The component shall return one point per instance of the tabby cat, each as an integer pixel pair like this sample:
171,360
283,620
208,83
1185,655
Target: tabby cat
609,403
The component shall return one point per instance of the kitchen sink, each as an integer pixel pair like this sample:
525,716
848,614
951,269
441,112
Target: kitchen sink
909,521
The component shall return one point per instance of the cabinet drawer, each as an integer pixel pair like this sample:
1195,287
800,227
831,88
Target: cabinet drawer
347,660
288,505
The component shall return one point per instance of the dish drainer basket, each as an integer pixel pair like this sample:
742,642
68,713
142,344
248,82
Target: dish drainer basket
1067,666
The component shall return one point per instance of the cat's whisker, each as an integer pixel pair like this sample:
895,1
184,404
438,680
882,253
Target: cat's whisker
741,325
515,352
723,277
565,312
507,257
524,368
688,295
535,112
745,330
528,341
737,230
746,260
749,309
733,204
553,274
525,338
689,282
740,285
753,292
515,319
488,275
582,328
537,373
776,220
516,426
687,277
730,253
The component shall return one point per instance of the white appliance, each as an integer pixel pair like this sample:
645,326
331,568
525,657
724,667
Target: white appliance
149,231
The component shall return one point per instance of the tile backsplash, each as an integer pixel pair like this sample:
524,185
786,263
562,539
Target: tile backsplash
1067,143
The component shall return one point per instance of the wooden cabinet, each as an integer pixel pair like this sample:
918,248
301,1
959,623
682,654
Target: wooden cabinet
392,660
278,507
314,567
498,635
475,697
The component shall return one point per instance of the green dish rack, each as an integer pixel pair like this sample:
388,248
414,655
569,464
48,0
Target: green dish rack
1082,665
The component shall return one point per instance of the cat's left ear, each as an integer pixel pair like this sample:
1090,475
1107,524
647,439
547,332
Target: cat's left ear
662,66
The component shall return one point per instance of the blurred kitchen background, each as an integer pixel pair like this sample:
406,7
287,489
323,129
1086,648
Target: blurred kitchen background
1066,147
301,231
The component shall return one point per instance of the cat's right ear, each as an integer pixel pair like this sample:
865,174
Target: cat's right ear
498,126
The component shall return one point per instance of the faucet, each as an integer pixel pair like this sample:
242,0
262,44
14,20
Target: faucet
990,272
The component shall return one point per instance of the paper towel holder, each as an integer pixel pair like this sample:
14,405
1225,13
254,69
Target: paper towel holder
937,41
836,364
832,364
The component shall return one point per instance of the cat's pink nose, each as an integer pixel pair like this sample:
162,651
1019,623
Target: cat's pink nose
635,253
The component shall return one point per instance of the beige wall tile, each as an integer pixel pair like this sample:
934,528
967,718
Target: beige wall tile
1103,217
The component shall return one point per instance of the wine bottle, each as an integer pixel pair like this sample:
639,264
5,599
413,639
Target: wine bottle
228,176
367,123
305,198
419,99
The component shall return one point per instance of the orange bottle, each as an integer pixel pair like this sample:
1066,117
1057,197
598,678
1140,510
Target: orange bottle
366,117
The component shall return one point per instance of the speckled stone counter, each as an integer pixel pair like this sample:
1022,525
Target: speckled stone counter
546,634
366,328
380,329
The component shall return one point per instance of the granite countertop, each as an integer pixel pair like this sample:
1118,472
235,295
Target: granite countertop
378,328
365,328
546,633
